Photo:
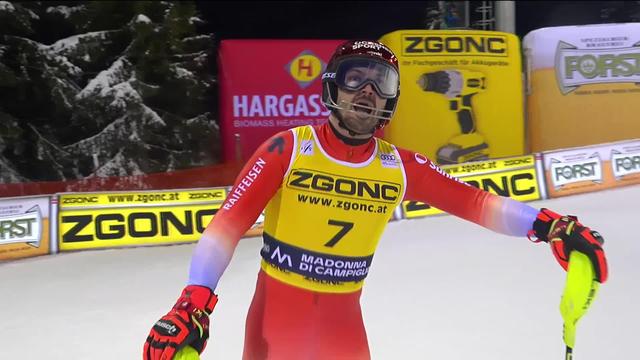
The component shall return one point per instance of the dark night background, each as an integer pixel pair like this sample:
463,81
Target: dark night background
119,88
372,19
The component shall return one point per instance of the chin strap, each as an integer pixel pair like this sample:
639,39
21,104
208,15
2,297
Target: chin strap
348,140
335,110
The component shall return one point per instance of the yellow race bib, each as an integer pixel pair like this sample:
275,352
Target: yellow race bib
322,227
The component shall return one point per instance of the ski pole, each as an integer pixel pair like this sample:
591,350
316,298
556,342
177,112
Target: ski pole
580,290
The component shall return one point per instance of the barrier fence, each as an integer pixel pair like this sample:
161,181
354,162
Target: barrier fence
48,224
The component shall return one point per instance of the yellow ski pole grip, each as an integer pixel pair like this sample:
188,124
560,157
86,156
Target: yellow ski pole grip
579,291
187,353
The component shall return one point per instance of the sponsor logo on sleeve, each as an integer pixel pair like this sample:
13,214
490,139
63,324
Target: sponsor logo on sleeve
389,160
306,147
420,159
513,177
243,185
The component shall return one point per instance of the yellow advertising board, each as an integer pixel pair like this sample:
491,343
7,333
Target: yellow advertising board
461,92
24,227
582,85
514,177
105,220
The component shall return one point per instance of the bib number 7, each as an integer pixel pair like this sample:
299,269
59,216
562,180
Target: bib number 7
345,227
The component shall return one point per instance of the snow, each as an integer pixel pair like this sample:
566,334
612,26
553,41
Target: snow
70,43
143,19
7,6
182,73
114,167
57,92
113,93
52,56
134,136
151,117
59,50
123,93
103,82
202,118
197,38
61,9
8,173
33,15
439,288
68,66
195,20
65,11
90,145
66,43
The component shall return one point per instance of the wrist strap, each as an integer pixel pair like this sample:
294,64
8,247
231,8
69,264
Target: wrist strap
200,296
542,225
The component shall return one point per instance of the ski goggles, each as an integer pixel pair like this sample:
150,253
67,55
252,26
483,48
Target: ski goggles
354,74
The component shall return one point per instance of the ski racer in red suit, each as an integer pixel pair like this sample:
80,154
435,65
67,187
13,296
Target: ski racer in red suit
328,192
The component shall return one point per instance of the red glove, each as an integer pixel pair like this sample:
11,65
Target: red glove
186,324
565,234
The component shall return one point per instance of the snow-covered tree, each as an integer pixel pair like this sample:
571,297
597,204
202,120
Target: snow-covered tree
103,88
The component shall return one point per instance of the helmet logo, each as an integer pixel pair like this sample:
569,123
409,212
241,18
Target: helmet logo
368,45
305,68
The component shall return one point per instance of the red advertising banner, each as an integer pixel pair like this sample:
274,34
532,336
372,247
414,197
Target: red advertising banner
267,86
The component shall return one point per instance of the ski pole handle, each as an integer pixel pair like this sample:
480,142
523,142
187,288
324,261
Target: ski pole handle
579,292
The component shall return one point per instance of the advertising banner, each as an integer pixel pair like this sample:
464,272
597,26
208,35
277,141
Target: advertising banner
593,168
105,220
514,177
461,94
267,86
24,227
582,85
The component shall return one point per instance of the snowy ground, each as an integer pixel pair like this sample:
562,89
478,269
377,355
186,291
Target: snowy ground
440,288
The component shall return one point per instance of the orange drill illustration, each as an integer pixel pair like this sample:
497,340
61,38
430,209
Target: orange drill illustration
459,86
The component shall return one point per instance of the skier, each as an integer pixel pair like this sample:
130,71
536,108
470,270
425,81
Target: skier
328,192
